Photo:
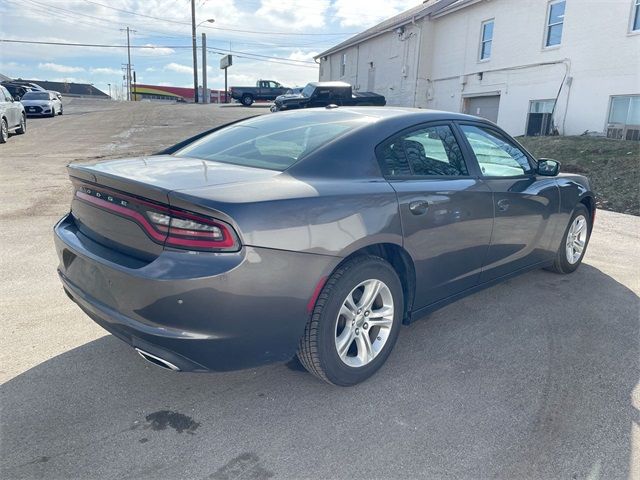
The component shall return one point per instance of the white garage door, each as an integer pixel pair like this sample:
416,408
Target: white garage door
486,107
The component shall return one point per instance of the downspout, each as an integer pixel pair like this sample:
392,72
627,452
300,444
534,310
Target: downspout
418,53
357,66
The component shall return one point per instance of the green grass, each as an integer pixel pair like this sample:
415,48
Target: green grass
612,166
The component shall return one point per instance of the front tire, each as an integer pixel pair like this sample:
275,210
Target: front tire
574,242
4,131
23,125
53,111
61,110
355,322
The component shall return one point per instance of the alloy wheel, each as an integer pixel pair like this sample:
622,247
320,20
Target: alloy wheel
4,131
576,239
364,323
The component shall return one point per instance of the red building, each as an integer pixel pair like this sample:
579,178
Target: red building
173,94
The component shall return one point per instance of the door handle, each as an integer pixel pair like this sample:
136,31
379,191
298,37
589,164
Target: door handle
503,205
419,207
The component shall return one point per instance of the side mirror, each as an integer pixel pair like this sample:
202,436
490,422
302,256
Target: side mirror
548,167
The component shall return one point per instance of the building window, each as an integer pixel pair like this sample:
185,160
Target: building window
542,106
343,64
625,110
555,22
486,40
624,117
635,25
540,118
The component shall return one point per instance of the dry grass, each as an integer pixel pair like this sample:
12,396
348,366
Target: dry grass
613,166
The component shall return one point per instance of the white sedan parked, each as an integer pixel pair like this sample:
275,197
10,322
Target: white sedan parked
42,103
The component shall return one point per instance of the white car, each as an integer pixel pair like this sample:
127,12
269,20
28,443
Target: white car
42,103
12,116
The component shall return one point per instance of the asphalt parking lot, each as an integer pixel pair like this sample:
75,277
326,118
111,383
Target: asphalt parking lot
534,378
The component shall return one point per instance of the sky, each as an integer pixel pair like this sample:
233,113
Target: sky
290,31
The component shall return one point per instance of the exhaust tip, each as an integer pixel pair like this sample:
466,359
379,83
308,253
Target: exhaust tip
160,362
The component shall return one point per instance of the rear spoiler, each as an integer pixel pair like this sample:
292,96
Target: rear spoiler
174,148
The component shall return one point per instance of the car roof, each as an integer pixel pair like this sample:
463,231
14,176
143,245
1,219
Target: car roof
417,115
330,84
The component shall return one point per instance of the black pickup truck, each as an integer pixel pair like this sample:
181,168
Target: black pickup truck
264,90
321,94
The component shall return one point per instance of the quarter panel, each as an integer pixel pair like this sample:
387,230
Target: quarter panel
329,217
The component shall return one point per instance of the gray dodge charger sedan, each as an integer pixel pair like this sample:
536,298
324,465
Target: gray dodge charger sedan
315,232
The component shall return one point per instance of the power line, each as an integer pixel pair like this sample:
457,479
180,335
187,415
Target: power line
258,32
266,58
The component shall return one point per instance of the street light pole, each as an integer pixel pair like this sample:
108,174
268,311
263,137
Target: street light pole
204,62
195,54
110,97
204,68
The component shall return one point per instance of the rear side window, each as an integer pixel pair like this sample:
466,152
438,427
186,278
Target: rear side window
496,155
427,151
273,142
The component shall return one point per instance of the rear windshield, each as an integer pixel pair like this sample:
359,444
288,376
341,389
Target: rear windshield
36,96
274,141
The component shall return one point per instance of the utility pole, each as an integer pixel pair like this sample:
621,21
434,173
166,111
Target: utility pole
204,69
195,53
128,30
110,97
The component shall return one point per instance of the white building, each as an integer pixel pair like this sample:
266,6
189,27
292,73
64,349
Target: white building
516,62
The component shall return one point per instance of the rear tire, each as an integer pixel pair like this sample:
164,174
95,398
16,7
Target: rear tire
23,125
247,100
574,242
355,322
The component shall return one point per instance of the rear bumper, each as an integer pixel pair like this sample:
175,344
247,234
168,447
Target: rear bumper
198,311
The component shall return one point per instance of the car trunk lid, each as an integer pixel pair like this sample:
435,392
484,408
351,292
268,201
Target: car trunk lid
117,202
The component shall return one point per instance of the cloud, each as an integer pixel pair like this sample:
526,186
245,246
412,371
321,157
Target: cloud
56,67
304,56
105,71
178,67
350,12
292,14
151,50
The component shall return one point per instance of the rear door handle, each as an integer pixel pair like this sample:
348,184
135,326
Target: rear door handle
503,205
419,207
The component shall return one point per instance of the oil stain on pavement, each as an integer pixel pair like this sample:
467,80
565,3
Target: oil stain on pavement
164,419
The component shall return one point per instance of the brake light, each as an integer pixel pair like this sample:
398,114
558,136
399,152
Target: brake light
187,230
165,225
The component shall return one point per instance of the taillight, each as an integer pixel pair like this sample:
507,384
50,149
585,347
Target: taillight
188,230
165,225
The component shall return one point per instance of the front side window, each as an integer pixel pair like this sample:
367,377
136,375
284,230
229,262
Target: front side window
427,151
496,156
555,22
625,110
486,40
635,19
